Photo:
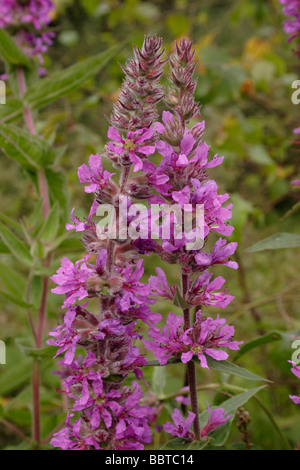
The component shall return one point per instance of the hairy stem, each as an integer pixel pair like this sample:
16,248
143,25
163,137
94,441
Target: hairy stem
191,370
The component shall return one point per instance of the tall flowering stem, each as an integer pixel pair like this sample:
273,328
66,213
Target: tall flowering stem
109,414
181,178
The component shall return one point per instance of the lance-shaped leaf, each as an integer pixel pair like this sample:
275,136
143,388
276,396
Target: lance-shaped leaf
51,225
265,339
276,242
58,188
61,83
12,280
232,369
11,52
16,246
30,151
221,366
12,110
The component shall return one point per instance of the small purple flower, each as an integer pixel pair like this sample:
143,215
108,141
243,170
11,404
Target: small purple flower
221,251
203,291
181,427
216,418
71,280
207,337
159,285
74,437
134,291
94,174
133,145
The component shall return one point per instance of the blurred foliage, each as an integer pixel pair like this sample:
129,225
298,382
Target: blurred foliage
245,71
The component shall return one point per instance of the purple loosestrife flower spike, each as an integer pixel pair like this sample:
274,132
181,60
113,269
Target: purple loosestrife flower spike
109,414
182,178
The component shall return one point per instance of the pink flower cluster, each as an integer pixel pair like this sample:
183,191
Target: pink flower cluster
110,413
181,427
207,337
291,26
29,19
111,416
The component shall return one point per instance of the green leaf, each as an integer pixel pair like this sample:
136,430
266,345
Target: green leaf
275,242
268,338
15,375
63,82
11,111
17,247
12,280
15,300
3,248
10,51
233,369
51,225
58,188
259,155
30,151
11,222
44,353
159,381
36,289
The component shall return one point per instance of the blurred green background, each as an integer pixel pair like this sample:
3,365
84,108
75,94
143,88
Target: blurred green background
245,71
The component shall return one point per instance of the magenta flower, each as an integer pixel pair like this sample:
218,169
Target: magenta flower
203,292
71,280
132,145
134,291
221,251
215,215
191,161
94,174
216,418
131,416
74,437
100,405
181,427
207,337
159,285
